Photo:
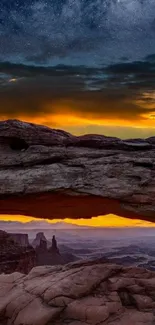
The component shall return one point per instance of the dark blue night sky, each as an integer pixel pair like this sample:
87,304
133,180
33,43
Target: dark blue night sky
92,58
88,32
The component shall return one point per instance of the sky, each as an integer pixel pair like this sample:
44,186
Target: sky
109,220
85,66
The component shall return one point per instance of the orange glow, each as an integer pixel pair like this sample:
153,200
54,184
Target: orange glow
66,115
72,117
100,221
64,121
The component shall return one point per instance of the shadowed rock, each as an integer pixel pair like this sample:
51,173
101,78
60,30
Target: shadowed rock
80,293
54,247
51,256
43,245
50,173
21,239
15,257
39,237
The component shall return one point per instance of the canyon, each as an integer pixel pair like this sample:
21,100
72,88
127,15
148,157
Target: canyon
79,293
49,173
17,255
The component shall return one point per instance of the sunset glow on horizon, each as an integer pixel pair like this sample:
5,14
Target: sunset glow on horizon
85,67
79,125
109,220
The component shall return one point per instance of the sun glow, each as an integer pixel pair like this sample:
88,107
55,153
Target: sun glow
109,220
69,116
68,120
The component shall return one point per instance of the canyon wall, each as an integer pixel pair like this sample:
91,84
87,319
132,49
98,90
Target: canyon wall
14,257
21,239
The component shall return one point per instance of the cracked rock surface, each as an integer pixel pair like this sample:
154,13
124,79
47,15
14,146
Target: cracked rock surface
80,293
73,176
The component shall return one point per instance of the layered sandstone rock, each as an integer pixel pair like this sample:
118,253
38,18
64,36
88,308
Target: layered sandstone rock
81,293
39,237
21,239
50,173
14,257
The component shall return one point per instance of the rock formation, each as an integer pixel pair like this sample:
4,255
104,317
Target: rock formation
54,248
81,293
39,237
51,256
14,257
50,173
21,239
43,245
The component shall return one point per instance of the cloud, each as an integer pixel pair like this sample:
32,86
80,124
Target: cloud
111,92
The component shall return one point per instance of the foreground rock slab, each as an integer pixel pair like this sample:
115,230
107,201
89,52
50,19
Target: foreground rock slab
50,173
80,293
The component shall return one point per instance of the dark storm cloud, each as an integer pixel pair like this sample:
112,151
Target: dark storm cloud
136,75
119,72
109,92
150,58
22,70
132,67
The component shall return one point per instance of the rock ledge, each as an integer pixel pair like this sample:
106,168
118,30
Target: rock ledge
80,293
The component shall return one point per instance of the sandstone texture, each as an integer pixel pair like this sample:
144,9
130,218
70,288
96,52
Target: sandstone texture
21,239
14,257
79,293
50,173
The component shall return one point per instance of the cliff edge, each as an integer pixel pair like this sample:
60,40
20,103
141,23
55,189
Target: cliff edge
14,256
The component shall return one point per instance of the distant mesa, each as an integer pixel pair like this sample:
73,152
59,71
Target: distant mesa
21,239
14,256
39,236
42,247
49,254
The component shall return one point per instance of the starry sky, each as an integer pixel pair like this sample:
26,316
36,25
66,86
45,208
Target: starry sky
85,66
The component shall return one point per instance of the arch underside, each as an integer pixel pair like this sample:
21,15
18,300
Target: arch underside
60,206
48,173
